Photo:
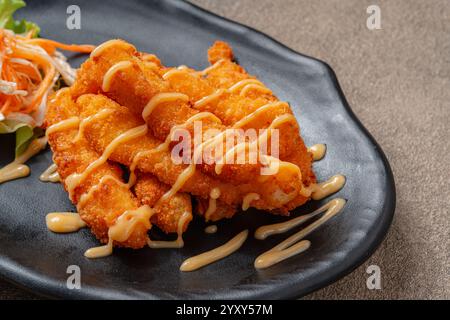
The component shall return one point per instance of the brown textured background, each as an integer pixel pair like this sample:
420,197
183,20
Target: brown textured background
397,81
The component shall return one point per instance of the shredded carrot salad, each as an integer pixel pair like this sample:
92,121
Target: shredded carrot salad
29,68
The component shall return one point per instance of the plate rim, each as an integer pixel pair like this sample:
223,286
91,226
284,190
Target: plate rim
52,290
390,180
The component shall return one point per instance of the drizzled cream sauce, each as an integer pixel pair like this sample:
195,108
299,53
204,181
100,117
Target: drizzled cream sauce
266,231
127,222
182,69
237,87
242,87
212,206
205,100
292,245
173,72
165,145
248,198
241,147
211,229
98,50
132,178
159,98
332,185
319,191
216,254
257,87
17,168
50,174
112,72
122,229
276,165
318,151
66,124
73,180
13,171
99,252
214,66
178,243
201,115
86,121
248,118
64,222
188,172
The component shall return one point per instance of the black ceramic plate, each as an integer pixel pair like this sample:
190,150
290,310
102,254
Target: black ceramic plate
180,33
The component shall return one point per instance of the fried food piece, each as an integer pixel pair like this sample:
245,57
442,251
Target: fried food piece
108,196
90,75
124,82
134,86
220,50
149,190
109,199
232,106
101,133
227,72
222,210
137,81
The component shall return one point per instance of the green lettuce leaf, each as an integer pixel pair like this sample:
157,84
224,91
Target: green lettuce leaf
24,134
10,126
7,9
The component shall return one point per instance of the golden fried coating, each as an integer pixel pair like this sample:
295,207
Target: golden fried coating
218,51
291,147
108,197
123,81
149,190
120,83
135,85
222,210
232,107
160,164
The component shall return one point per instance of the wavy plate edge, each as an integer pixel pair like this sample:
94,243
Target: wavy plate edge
53,290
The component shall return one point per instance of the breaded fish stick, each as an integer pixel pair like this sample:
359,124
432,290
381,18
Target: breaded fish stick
232,107
159,163
108,196
225,74
131,84
167,217
110,199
